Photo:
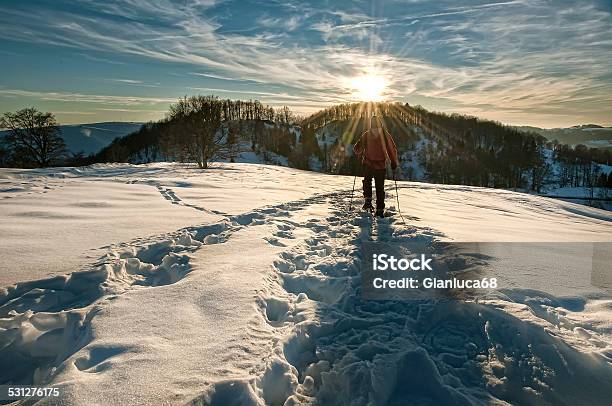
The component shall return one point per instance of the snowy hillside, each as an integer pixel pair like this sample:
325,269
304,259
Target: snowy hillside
241,284
417,147
329,136
433,147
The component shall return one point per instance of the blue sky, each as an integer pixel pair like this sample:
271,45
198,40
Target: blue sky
544,63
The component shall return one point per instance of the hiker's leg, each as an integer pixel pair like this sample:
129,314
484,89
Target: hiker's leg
379,180
367,185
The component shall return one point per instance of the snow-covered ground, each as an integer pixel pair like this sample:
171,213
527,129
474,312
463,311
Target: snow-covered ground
241,284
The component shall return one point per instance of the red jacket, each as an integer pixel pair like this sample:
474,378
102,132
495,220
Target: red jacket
375,149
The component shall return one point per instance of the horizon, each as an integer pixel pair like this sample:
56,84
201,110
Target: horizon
144,122
128,61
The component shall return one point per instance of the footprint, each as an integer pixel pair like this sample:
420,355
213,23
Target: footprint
274,241
284,266
284,234
96,359
277,310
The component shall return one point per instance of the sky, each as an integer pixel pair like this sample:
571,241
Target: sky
526,62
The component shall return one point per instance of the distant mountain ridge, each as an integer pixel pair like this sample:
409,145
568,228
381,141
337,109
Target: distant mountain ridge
92,137
591,135
587,126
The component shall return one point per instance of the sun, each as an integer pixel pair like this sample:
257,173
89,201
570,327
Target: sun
368,87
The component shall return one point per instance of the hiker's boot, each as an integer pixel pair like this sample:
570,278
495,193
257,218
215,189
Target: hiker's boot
380,212
367,206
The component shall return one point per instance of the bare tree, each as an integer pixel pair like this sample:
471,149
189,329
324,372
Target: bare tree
200,118
233,147
285,116
34,138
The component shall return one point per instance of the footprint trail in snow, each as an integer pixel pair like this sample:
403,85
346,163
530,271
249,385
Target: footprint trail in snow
330,346
336,348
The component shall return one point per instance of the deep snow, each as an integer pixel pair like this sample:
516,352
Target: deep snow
164,284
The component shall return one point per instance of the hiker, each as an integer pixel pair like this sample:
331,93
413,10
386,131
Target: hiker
375,148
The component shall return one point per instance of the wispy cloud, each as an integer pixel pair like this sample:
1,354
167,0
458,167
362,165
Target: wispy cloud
133,82
226,78
288,24
515,60
118,110
129,81
77,113
101,60
87,98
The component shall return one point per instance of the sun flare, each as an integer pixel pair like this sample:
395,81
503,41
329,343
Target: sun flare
369,87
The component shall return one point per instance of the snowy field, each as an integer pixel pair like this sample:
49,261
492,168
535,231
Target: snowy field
165,284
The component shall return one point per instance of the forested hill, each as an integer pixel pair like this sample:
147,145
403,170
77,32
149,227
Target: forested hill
459,149
436,147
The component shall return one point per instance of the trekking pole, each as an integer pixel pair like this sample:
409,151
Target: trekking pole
398,203
352,193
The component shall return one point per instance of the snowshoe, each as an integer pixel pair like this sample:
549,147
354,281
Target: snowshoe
367,206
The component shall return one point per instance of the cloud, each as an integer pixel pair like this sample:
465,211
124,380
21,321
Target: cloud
102,60
78,113
130,81
87,98
288,24
133,82
526,57
132,110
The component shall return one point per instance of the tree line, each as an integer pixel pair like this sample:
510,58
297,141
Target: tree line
458,149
